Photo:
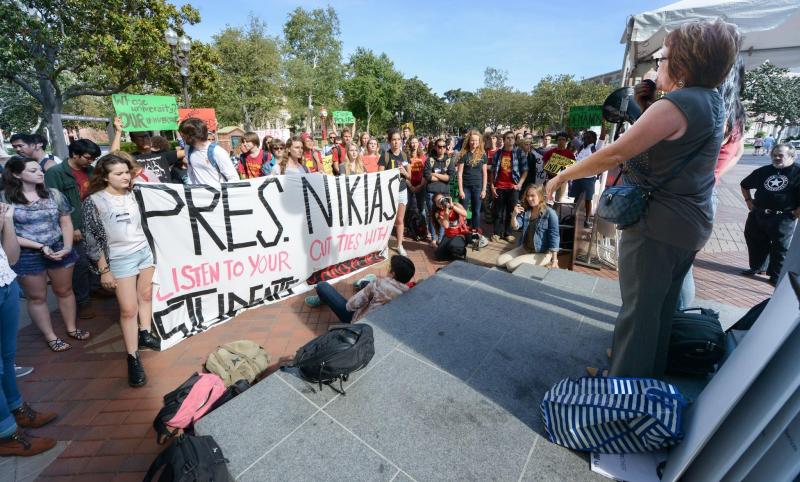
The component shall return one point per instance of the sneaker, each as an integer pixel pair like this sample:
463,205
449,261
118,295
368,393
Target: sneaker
21,444
401,250
27,417
313,301
364,281
147,340
495,238
752,272
85,311
510,238
22,371
136,375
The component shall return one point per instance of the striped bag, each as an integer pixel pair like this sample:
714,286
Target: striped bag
613,415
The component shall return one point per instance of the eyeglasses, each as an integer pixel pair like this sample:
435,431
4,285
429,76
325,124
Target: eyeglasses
278,148
88,157
440,146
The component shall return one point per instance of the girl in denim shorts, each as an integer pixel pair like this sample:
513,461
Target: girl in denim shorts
116,242
44,228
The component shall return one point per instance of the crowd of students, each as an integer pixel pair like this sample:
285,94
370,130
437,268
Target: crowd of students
76,223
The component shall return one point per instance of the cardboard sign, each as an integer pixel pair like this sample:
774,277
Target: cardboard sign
146,112
557,162
581,116
209,116
219,250
343,117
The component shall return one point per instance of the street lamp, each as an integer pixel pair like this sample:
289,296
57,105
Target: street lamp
180,47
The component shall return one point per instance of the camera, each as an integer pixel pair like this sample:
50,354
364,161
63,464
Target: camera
444,201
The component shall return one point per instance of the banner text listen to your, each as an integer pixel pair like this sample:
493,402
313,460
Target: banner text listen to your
221,249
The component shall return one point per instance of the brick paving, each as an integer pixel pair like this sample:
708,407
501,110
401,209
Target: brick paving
108,423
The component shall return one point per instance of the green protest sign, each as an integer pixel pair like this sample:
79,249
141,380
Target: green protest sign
343,117
585,116
146,112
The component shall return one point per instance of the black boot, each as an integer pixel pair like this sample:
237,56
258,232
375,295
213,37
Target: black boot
136,375
147,340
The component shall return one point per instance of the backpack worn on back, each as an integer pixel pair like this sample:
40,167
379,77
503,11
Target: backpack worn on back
238,360
333,356
186,404
697,342
190,459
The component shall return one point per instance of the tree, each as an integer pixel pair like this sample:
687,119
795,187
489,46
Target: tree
57,50
421,105
372,86
18,111
495,78
313,60
250,64
554,95
770,91
461,109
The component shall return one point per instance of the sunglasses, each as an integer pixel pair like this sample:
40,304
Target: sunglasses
279,148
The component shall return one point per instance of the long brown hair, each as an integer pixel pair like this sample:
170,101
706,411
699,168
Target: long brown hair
99,180
12,185
477,153
539,192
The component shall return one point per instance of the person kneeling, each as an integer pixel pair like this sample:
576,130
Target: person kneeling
452,217
540,239
376,293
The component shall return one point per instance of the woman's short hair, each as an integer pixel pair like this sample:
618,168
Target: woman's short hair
701,53
194,129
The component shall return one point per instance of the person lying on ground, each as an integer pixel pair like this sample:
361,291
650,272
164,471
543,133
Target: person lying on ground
375,294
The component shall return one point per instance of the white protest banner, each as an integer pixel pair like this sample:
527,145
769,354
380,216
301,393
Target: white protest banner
252,242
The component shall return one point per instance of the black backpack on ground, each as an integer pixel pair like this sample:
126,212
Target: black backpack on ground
190,459
697,342
333,356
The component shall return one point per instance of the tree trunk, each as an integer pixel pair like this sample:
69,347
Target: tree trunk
248,123
56,129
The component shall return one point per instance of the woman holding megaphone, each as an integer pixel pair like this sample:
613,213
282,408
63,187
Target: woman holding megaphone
669,157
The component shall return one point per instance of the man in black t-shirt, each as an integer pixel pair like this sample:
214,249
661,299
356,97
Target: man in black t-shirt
160,163
773,211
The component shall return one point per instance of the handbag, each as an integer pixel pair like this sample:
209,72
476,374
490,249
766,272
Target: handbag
624,205
613,415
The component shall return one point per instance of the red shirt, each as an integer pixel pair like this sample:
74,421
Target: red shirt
454,226
251,165
370,162
504,179
81,180
416,167
490,157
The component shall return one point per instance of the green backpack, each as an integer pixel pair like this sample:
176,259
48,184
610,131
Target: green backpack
238,360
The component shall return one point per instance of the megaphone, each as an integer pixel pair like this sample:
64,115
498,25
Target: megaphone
621,106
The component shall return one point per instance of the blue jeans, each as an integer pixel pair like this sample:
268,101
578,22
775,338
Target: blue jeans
686,297
329,296
10,398
436,234
472,196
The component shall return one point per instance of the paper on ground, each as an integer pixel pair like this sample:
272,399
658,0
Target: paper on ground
629,467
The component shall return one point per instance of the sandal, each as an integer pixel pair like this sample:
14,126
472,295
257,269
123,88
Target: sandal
79,334
58,345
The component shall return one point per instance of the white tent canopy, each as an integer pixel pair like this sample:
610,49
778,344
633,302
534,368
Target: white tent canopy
770,30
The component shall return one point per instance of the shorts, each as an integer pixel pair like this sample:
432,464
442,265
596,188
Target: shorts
132,264
584,185
403,197
32,261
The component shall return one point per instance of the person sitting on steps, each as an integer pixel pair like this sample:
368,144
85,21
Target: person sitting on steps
540,237
376,293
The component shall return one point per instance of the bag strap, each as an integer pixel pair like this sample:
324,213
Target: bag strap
159,462
213,160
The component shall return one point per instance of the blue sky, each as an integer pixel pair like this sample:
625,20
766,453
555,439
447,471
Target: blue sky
448,44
